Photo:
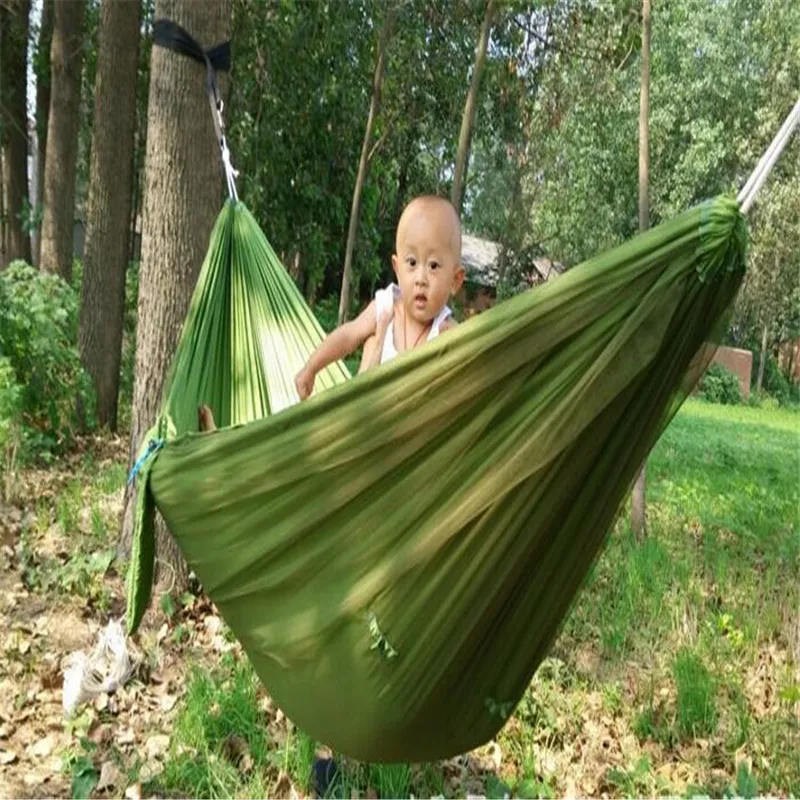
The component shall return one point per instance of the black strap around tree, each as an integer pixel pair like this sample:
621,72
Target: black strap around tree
169,34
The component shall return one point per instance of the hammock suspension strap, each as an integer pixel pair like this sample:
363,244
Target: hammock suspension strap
172,36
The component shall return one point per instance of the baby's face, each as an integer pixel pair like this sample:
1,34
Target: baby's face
428,261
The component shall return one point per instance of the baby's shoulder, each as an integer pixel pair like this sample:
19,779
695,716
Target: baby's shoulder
450,322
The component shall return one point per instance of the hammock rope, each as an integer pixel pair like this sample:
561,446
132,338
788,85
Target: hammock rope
747,195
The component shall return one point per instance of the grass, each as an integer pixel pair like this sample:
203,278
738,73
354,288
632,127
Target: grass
696,709
676,671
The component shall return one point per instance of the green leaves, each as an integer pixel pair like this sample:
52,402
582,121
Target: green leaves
38,332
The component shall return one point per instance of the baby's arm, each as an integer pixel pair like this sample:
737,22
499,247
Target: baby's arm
373,347
339,343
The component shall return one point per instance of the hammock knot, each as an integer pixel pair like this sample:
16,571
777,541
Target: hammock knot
722,245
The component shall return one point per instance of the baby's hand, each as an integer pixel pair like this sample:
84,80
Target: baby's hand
304,382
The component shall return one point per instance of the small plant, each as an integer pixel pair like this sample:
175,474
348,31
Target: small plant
696,702
79,763
720,385
636,782
390,780
651,722
746,783
68,507
534,788
612,698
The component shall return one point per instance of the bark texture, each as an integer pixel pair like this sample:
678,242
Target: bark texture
109,205
182,198
66,63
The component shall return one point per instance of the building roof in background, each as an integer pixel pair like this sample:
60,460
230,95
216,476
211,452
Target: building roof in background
480,260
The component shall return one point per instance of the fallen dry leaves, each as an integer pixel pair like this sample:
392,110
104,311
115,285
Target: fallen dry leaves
37,635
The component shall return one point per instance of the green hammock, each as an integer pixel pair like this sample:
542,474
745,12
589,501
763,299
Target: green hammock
397,553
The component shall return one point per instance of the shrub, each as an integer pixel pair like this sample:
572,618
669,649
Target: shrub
38,334
10,422
720,385
777,385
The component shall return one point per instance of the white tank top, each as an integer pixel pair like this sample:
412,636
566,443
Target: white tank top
384,300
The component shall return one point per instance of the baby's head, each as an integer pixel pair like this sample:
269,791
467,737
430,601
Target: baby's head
427,258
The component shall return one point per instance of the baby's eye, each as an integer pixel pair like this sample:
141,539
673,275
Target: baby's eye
434,265
412,262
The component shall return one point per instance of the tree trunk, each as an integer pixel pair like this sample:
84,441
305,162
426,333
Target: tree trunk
109,204
66,62
470,109
638,501
13,81
2,207
363,166
762,358
182,198
42,113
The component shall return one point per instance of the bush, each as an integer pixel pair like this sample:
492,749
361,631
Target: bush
777,385
720,385
38,335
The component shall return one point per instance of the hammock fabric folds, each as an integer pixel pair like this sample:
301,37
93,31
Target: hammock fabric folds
397,553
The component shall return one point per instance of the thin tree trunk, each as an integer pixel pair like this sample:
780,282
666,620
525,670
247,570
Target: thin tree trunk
762,358
3,261
182,198
638,500
42,113
109,203
66,63
13,82
471,108
363,166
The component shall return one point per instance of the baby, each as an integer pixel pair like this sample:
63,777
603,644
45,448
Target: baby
427,264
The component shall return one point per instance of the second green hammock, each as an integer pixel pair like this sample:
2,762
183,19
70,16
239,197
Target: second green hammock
397,553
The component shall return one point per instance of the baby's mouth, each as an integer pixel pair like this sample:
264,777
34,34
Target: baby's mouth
420,300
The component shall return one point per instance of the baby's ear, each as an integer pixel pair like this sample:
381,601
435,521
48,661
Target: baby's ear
395,263
458,277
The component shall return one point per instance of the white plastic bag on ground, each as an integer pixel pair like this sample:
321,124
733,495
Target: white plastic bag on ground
106,669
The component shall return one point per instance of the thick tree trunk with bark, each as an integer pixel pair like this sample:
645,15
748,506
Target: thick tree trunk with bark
13,81
182,198
109,204
66,63
363,166
638,500
471,108
42,111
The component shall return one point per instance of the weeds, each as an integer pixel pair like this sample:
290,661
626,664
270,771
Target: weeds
696,702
